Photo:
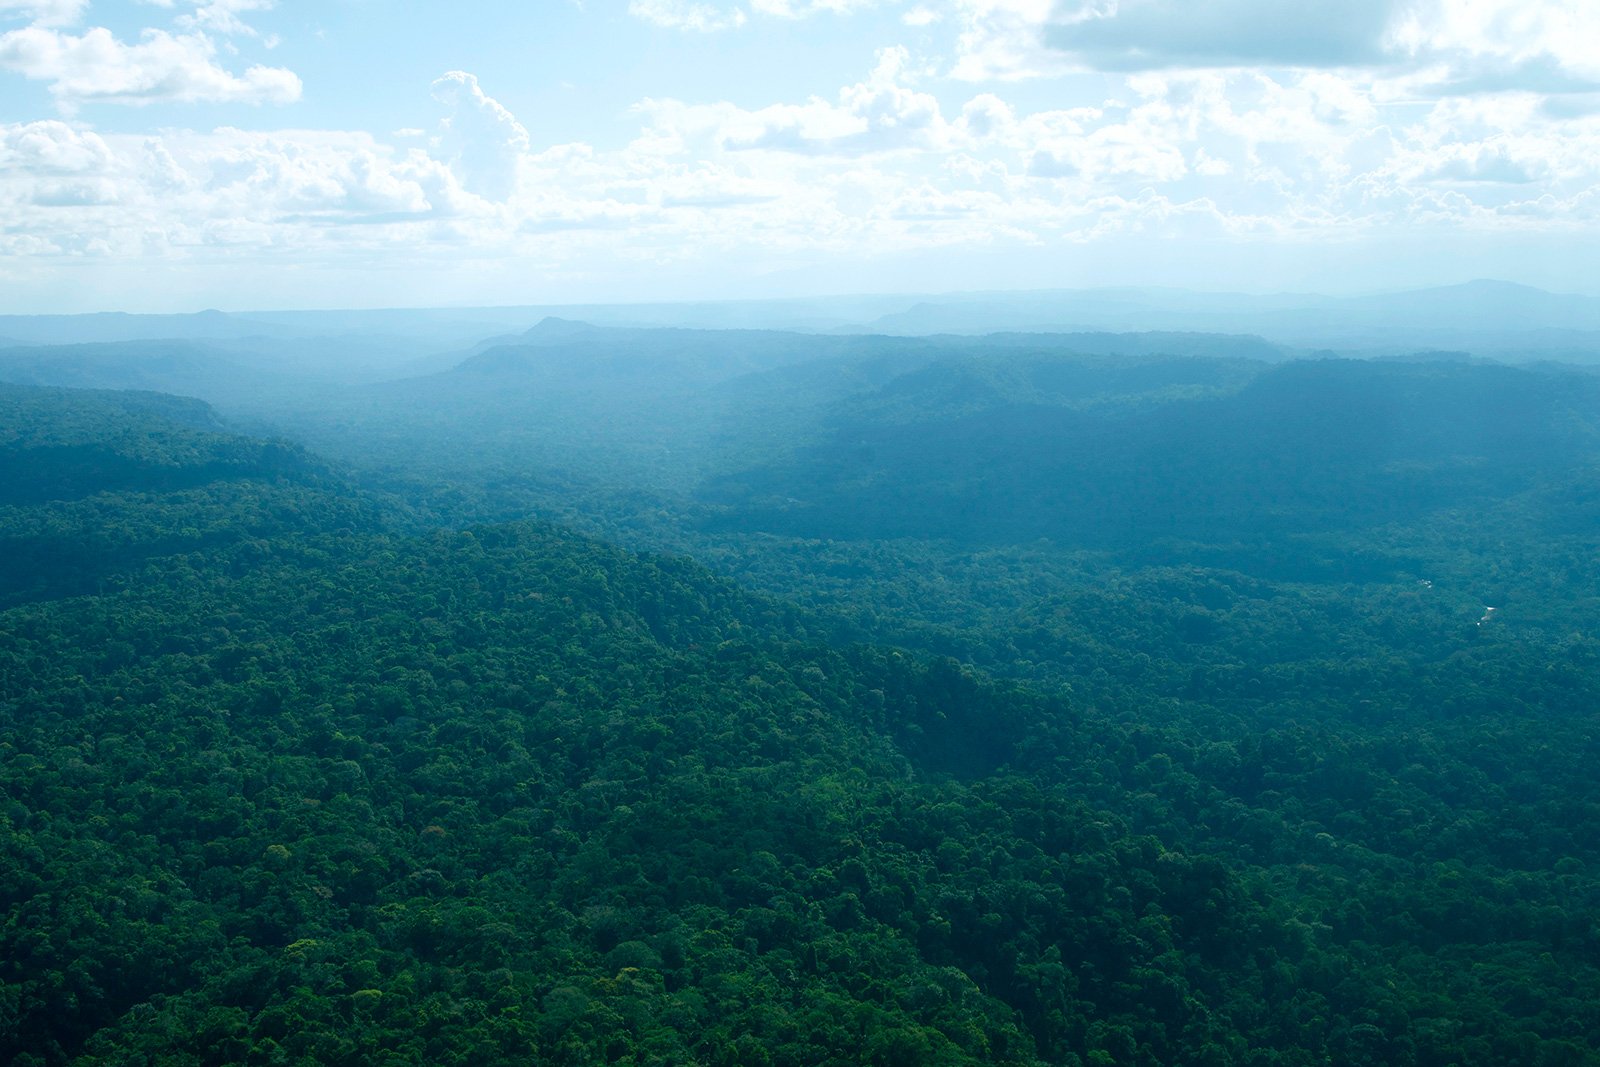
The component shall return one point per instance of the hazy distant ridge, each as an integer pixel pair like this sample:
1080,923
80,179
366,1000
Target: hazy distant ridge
1487,318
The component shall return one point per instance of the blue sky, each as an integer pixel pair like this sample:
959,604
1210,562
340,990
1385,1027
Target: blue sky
178,154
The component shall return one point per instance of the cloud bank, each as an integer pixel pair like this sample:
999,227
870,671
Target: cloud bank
1241,128
95,67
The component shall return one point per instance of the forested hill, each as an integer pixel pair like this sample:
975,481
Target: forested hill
60,444
1312,445
308,790
94,483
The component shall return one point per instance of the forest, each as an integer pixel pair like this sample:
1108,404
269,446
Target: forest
620,694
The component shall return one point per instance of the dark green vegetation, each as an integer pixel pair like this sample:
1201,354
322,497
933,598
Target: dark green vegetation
1072,700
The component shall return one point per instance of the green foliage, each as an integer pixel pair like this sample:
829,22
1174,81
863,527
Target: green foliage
283,783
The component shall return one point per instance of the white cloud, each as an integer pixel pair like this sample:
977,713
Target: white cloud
1003,40
223,17
45,12
986,115
876,115
687,15
96,67
1485,163
479,137
159,171
701,17
93,192
1211,168
799,9
149,199
880,167
50,147
1566,32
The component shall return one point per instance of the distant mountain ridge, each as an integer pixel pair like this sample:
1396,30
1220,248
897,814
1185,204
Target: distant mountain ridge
1492,318
1498,316
1305,446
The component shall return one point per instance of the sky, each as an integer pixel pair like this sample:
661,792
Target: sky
172,155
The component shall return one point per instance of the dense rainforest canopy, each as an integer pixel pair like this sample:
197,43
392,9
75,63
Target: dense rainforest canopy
911,702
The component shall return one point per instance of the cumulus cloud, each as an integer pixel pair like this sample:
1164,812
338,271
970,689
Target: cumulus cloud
96,67
1004,40
879,166
879,114
148,198
1484,163
479,137
51,147
1551,35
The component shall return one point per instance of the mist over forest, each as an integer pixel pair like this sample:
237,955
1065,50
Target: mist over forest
1088,677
